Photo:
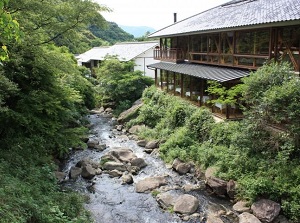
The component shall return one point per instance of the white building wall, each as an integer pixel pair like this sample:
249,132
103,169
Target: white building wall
143,60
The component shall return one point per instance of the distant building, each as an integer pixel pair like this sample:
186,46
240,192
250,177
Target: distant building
140,52
224,44
91,58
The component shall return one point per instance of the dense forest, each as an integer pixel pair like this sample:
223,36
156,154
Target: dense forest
112,34
44,97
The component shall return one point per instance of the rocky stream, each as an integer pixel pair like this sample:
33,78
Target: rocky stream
127,182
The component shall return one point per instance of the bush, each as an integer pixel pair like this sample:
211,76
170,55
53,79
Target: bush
263,161
119,83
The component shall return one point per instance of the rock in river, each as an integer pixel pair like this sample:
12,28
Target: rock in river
150,184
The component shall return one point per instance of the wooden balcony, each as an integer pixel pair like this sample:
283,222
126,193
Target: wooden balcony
171,55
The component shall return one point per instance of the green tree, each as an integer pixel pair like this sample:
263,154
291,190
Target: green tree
119,83
9,29
272,93
57,21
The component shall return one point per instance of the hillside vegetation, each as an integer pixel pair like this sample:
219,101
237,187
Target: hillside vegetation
43,97
112,33
264,162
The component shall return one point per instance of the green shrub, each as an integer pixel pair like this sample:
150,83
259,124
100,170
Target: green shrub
178,145
263,161
200,123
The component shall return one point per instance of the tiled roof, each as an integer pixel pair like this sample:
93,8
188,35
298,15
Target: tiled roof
124,51
130,50
96,53
220,74
236,13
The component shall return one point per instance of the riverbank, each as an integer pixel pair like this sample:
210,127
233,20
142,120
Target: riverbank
155,187
242,151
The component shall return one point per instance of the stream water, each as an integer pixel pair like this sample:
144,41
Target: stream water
114,202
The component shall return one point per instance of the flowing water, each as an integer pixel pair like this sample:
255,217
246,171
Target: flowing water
112,202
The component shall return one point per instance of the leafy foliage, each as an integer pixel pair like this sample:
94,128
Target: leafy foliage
273,93
43,97
223,95
64,23
119,84
9,29
263,160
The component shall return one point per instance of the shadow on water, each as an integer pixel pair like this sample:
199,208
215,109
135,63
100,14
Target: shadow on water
113,202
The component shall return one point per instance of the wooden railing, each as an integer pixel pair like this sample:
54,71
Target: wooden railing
230,60
172,54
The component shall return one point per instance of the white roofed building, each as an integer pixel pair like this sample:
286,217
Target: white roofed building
140,52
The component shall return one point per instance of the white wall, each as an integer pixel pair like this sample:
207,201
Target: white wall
143,60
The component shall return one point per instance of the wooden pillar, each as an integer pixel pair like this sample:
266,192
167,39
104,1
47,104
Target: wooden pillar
191,88
227,106
155,77
161,81
227,111
276,33
167,81
271,43
174,81
219,50
181,85
234,47
201,92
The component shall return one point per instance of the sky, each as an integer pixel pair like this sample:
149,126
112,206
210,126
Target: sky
154,13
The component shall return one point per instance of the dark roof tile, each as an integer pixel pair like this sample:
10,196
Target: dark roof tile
220,74
236,13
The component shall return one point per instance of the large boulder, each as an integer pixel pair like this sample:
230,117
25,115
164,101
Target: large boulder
213,219
135,129
115,173
231,188
111,165
175,163
127,179
266,210
139,162
181,167
218,186
186,204
123,154
141,143
211,172
60,176
88,172
126,115
248,218
87,161
149,184
74,172
241,206
100,147
91,143
166,200
151,144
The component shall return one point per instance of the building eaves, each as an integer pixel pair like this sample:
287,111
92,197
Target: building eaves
220,74
129,50
235,14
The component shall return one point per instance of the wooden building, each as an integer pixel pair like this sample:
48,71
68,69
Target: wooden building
224,44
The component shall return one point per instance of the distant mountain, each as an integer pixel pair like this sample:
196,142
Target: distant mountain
112,34
137,31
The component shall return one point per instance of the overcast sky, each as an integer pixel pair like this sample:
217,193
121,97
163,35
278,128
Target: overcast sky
154,13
